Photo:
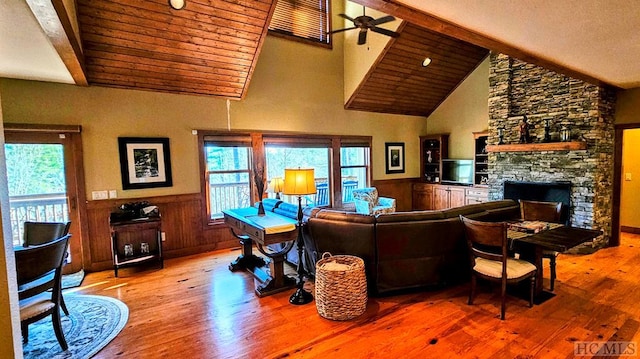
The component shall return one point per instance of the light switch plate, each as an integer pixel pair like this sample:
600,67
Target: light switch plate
627,176
113,193
98,195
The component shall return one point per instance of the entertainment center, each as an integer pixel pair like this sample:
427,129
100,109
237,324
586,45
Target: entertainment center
447,182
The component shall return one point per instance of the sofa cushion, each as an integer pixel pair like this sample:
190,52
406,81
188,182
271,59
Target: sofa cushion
409,216
351,217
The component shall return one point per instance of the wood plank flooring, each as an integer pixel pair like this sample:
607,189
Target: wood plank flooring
196,308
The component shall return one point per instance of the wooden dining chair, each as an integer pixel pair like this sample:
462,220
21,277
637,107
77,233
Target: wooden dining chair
36,233
43,232
490,260
546,212
38,270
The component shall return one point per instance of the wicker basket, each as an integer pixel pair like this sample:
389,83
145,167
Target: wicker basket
341,287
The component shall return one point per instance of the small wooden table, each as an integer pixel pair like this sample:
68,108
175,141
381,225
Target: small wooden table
272,228
559,239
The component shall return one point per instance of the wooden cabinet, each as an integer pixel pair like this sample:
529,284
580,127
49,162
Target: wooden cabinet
448,196
135,242
427,196
481,158
476,195
422,196
433,149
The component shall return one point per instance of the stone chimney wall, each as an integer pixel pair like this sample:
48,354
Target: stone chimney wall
518,89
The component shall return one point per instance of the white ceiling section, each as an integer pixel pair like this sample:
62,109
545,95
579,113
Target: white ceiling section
600,38
25,50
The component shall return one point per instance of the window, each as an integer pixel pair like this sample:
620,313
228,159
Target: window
305,20
354,170
287,153
228,183
227,160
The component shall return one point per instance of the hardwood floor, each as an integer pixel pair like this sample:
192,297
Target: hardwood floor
196,308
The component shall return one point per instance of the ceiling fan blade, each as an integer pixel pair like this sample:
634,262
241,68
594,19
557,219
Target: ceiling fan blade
362,37
341,30
382,20
385,32
346,17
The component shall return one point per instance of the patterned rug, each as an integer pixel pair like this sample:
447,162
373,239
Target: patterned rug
73,279
92,323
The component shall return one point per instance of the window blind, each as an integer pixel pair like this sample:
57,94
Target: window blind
302,19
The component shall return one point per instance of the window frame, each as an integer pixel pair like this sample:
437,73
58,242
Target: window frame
259,141
367,160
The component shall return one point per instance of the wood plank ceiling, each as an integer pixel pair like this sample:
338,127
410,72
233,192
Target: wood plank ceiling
398,83
211,48
208,48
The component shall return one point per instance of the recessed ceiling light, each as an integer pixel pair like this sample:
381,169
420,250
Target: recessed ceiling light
178,4
426,62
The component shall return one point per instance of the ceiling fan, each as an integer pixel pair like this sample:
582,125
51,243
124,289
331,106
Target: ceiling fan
364,23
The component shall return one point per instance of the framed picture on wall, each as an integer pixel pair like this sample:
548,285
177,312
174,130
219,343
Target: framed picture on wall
145,162
394,157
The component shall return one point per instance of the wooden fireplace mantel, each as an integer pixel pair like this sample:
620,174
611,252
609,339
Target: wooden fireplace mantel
538,147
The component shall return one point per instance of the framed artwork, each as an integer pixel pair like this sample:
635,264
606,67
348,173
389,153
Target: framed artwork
394,157
145,162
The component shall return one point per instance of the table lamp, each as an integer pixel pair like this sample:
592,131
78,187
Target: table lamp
299,182
276,185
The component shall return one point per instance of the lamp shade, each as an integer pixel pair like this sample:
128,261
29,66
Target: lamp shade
299,181
276,185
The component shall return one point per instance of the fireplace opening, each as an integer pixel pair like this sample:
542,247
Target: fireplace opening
541,191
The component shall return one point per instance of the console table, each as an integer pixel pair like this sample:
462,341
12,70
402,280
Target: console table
271,228
142,238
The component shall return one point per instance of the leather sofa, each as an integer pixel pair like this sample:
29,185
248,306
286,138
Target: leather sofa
402,250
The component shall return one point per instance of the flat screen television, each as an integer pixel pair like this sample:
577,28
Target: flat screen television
456,171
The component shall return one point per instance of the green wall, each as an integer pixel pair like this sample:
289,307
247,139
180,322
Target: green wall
295,87
465,111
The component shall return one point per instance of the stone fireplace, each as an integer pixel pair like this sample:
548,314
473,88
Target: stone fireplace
518,89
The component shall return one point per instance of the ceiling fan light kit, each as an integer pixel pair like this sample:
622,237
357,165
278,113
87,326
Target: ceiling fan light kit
366,23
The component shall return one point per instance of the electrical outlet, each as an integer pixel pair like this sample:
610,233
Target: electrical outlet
113,193
627,176
98,195
164,238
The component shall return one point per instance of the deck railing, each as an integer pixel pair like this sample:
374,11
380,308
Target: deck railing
228,195
36,208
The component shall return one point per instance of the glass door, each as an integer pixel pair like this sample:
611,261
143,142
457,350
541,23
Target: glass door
42,181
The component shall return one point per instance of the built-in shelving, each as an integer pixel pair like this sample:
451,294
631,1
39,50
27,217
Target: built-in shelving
538,147
481,158
433,149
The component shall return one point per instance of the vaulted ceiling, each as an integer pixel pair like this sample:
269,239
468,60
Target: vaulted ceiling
208,48
399,83
211,47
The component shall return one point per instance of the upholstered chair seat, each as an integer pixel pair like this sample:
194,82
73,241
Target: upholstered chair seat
367,201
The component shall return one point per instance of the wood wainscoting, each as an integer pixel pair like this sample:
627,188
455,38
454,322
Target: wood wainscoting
181,223
400,189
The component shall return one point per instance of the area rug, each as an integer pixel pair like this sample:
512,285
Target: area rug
93,321
73,279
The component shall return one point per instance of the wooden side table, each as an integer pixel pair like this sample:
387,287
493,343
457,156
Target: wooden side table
135,242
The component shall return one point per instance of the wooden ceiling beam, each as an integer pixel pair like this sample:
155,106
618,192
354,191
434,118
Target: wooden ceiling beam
422,19
54,21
